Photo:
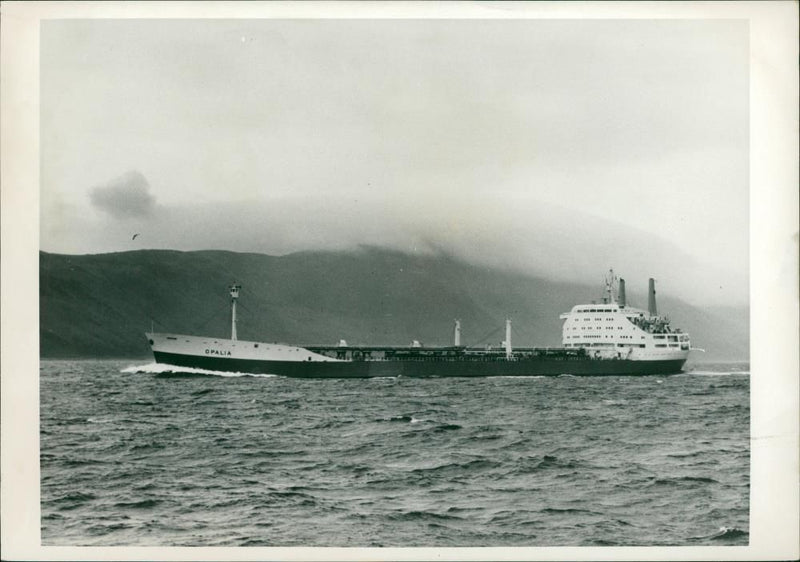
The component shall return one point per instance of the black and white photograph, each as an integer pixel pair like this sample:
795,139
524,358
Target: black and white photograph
466,276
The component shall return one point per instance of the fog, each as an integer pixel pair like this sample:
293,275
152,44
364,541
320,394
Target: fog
513,233
556,147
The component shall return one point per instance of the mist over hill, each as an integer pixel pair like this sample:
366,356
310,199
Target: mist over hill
100,305
504,231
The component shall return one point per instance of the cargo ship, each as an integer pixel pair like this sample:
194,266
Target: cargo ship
601,338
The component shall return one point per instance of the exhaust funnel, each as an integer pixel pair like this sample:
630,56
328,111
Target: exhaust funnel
651,298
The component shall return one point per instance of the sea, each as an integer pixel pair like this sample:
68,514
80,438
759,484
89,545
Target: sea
132,455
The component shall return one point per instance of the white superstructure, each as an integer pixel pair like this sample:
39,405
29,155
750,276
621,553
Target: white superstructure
613,329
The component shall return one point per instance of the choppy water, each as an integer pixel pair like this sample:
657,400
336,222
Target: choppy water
132,457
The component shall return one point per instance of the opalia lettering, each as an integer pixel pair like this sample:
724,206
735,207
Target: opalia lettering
217,352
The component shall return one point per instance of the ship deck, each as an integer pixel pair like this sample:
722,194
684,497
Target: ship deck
399,353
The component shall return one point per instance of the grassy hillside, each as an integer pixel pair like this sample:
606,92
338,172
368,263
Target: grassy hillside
100,305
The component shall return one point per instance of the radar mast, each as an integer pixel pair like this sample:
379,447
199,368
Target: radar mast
234,295
612,284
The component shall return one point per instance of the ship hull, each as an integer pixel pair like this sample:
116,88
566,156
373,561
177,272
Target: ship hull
534,366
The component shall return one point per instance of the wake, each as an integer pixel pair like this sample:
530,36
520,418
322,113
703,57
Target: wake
160,369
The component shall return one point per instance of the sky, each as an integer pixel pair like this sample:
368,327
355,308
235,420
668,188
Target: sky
557,147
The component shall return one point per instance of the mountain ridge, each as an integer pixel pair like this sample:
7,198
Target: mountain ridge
99,305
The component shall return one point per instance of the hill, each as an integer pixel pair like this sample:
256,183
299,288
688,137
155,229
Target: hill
100,305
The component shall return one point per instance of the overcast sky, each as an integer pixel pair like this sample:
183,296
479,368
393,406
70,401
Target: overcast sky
560,146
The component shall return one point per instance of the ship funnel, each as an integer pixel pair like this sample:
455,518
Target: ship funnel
457,334
651,298
621,293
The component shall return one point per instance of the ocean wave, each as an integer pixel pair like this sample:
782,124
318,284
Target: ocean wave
725,534
142,504
687,455
446,427
107,528
148,446
288,497
460,509
476,464
76,497
404,418
676,481
729,533
568,511
417,515
73,462
160,369
533,464
256,542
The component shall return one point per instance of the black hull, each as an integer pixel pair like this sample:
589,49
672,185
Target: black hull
538,366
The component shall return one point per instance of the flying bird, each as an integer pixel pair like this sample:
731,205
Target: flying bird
134,236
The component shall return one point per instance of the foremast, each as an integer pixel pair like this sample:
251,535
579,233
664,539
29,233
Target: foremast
234,295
